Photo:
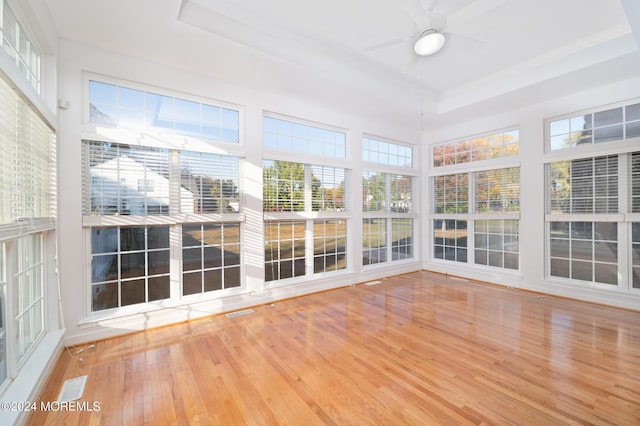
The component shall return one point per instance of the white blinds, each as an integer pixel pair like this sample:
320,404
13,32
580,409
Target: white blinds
27,163
583,186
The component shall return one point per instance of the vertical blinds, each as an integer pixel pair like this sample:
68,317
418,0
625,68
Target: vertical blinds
27,161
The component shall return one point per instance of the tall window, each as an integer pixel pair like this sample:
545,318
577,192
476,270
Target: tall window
388,202
157,213
3,310
592,202
306,206
18,46
27,214
476,214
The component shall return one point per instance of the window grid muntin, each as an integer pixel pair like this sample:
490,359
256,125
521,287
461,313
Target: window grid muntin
329,245
114,105
211,237
387,153
599,126
578,251
117,283
293,136
285,251
479,148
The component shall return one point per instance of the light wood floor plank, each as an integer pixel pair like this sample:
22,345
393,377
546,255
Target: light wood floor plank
421,348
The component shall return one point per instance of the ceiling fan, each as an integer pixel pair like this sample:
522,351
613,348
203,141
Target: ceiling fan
431,30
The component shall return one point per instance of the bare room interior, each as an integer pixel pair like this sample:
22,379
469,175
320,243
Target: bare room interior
341,212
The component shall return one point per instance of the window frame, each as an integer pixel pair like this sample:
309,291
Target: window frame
138,137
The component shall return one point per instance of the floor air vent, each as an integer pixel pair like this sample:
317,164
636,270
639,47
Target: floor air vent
238,313
72,389
374,282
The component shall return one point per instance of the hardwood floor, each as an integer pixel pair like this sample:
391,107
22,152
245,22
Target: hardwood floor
418,349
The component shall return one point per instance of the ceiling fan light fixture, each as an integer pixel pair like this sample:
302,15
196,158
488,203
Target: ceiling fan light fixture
429,42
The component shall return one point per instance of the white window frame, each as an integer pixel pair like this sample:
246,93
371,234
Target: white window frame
624,218
140,137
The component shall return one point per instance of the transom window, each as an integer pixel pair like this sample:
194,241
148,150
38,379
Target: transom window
479,148
287,135
114,105
606,125
18,46
387,153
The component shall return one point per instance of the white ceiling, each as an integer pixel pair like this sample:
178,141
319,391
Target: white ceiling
495,50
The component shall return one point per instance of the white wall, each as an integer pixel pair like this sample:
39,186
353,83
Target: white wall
281,88
530,120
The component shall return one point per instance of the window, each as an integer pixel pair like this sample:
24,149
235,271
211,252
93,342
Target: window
27,215
450,240
288,135
586,251
284,249
157,213
129,265
497,243
607,125
305,206
329,245
588,185
209,183
18,46
3,310
374,241
390,154
304,190
387,202
210,257
488,147
387,226
29,294
635,250
127,180
126,107
476,214
592,202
